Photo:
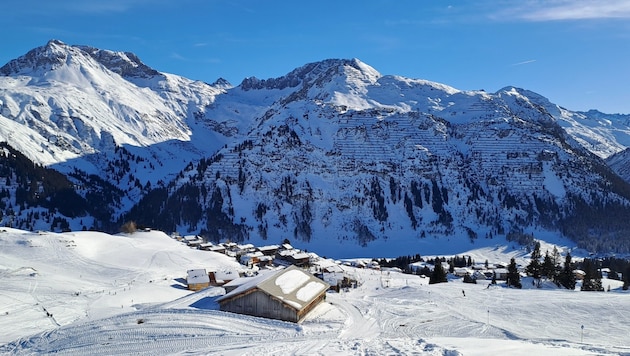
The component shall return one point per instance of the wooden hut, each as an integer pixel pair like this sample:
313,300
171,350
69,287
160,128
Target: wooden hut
288,294
197,279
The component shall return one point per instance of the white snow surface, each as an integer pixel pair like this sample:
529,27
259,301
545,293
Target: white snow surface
309,291
90,293
291,280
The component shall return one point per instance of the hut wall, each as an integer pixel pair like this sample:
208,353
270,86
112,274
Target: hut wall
258,303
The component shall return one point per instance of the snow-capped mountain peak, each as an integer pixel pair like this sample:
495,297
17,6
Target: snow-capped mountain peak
314,73
125,64
71,106
332,148
49,57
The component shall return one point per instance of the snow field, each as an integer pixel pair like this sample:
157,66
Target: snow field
131,301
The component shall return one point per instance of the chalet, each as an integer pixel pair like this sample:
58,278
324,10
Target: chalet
217,248
264,261
244,249
206,246
288,294
501,274
192,240
219,278
188,238
269,250
195,243
251,259
300,259
197,279
462,271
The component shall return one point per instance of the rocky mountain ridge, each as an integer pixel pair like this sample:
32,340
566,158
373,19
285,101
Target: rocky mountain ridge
332,154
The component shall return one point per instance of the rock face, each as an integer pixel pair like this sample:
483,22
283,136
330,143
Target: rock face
332,154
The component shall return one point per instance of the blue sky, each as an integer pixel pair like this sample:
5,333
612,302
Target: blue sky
575,52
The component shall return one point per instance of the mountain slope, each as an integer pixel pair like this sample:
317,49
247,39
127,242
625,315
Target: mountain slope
345,155
94,112
333,153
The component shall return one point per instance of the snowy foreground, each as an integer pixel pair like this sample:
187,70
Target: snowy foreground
91,293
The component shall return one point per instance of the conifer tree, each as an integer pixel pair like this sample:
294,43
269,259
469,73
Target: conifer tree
534,268
566,277
555,256
513,277
592,279
469,279
439,274
548,268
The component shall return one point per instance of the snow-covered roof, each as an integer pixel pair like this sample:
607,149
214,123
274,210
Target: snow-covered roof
197,276
294,286
286,253
226,275
300,255
268,248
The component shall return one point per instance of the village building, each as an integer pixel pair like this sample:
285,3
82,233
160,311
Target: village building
292,257
251,259
195,243
206,246
463,271
197,279
219,278
300,259
265,261
269,250
217,248
501,274
244,249
288,294
189,238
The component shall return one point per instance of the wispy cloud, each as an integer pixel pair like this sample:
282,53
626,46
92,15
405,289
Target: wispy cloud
178,56
523,63
103,7
562,10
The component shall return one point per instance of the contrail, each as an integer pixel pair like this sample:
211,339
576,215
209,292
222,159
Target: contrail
524,62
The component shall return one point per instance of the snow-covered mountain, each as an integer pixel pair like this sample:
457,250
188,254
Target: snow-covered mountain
332,154
94,112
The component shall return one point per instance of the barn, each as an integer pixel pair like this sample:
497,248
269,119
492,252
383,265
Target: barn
288,294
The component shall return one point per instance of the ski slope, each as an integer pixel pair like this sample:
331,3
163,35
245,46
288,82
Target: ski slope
123,294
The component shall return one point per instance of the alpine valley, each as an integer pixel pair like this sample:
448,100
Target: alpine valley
333,155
